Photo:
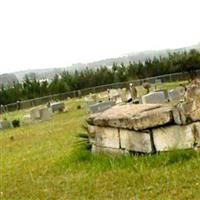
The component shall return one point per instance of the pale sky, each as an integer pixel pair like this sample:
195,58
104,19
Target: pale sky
57,33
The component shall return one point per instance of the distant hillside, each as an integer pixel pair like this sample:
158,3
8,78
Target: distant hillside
130,57
8,79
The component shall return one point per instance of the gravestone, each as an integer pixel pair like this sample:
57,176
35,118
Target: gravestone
57,106
181,90
165,91
101,106
122,94
154,98
5,124
113,95
175,95
133,91
35,114
44,114
26,119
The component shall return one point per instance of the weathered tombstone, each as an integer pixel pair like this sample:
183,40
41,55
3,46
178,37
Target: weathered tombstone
3,109
93,97
35,114
57,106
154,98
122,93
174,95
113,95
101,106
26,119
165,91
181,90
44,114
5,124
133,91
146,86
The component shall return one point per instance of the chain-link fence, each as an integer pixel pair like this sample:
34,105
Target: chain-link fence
77,93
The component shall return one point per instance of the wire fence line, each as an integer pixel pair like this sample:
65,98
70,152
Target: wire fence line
83,92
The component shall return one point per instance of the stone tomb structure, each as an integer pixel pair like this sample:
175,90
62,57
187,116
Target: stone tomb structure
144,128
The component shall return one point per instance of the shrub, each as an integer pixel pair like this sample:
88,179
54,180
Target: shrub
16,123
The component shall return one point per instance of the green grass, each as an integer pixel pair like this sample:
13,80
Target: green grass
45,161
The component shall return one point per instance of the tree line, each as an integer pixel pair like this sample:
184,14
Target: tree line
29,89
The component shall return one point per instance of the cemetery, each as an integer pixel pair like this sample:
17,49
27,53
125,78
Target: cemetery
44,155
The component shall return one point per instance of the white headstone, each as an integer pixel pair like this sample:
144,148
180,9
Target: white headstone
101,106
57,106
35,114
154,98
122,93
44,114
5,124
113,95
175,95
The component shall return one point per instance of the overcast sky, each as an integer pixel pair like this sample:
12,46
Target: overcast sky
57,33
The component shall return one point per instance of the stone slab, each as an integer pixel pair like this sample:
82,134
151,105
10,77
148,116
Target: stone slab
107,137
133,116
173,137
135,141
154,98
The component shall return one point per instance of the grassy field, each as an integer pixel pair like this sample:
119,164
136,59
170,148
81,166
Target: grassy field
44,161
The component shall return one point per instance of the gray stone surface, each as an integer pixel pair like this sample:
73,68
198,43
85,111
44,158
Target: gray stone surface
107,137
5,124
101,106
57,106
122,94
44,114
35,113
174,137
135,141
175,95
133,116
113,94
154,98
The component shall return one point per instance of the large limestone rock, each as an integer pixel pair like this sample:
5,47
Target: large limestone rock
133,116
174,137
135,141
107,137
